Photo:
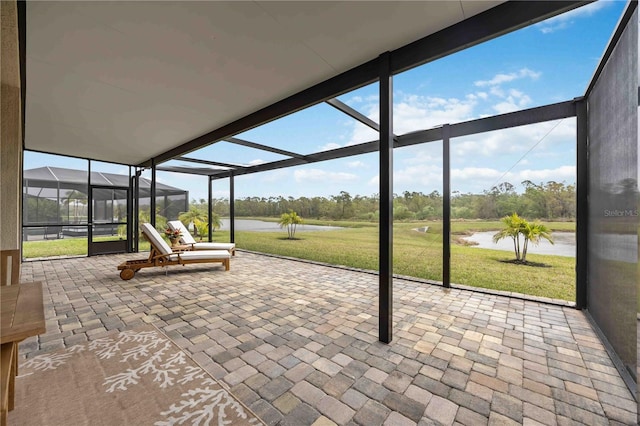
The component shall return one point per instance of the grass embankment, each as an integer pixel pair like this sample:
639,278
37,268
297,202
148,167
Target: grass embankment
415,254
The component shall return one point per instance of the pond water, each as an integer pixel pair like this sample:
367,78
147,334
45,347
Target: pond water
262,226
564,243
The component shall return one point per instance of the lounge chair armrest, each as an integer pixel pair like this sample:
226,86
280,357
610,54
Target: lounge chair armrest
166,256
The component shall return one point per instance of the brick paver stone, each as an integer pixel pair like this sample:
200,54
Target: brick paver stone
371,414
441,410
323,421
335,410
397,419
307,392
286,402
275,388
354,399
240,375
405,405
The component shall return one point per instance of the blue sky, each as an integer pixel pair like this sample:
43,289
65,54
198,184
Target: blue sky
549,62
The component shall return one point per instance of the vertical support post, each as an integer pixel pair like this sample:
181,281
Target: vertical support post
89,211
136,217
210,209
446,206
25,209
152,194
582,203
385,319
58,218
232,209
130,210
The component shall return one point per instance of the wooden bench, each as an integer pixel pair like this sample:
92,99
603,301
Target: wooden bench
7,379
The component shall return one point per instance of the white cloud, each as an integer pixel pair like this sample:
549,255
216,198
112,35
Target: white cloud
428,178
505,78
515,141
565,20
256,162
475,173
277,176
419,113
515,101
356,164
413,112
362,133
329,146
318,175
220,194
562,173
497,91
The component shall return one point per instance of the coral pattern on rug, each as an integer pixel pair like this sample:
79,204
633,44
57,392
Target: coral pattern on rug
148,356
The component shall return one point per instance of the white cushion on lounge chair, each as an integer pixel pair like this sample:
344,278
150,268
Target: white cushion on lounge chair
201,255
186,238
214,246
154,236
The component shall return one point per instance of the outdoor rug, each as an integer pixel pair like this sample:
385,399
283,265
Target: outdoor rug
136,377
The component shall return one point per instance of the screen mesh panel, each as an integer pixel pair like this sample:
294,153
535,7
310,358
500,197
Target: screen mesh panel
613,198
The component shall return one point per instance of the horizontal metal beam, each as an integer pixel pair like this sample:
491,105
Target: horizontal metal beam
209,162
273,165
342,107
334,154
254,145
515,119
496,122
201,171
499,20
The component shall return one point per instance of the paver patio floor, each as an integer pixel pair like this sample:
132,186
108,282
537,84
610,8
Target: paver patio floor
298,343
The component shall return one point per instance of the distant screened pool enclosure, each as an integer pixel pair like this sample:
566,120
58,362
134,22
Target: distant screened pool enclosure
65,203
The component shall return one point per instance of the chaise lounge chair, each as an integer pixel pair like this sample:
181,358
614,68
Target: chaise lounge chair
187,239
161,255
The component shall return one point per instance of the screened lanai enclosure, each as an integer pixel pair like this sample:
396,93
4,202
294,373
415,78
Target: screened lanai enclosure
61,203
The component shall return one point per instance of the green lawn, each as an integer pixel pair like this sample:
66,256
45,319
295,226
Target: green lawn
64,247
420,255
415,254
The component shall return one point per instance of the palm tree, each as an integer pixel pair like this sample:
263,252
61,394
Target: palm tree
194,215
290,220
516,226
513,226
202,227
533,232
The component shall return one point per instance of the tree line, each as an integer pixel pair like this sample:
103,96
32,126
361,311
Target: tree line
549,200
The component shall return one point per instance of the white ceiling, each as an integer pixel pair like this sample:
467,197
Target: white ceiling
126,81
